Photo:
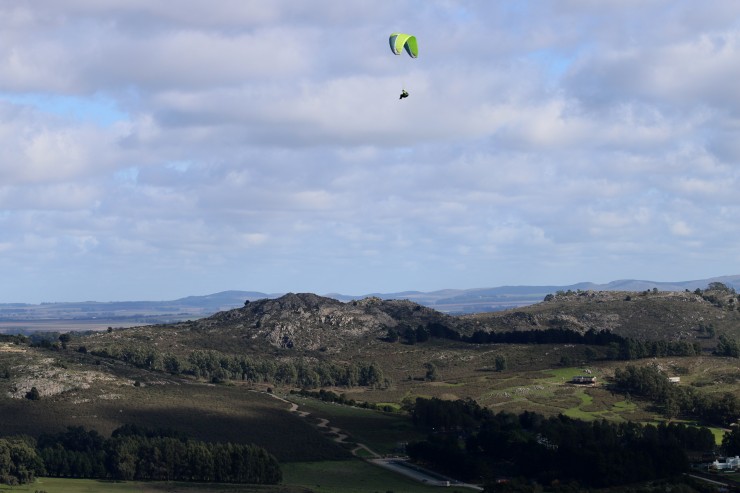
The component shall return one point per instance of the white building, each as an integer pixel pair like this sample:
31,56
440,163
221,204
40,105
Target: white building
729,464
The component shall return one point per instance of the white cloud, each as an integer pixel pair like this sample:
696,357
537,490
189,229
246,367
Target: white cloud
262,145
680,228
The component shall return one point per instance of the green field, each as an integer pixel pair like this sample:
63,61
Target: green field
352,476
59,485
348,476
380,431
104,397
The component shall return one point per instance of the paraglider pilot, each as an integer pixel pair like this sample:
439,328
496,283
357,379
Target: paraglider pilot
404,94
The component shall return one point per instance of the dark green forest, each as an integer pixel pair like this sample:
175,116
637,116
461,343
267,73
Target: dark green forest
616,346
134,453
465,439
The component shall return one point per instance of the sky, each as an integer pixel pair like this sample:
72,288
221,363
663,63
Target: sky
151,150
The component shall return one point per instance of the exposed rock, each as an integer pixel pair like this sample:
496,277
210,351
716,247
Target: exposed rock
310,322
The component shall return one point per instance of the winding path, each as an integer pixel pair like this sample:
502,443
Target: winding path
339,435
398,465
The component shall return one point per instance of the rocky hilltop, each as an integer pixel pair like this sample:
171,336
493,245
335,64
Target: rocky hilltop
311,322
299,322
306,323
646,315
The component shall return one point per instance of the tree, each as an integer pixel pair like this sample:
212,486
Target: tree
410,335
431,374
33,394
172,364
422,334
711,331
371,376
671,406
719,286
286,373
19,462
727,346
731,442
500,362
64,339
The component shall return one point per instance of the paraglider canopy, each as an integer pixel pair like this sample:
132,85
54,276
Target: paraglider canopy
399,41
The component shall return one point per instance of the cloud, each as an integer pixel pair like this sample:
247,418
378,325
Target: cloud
39,148
262,145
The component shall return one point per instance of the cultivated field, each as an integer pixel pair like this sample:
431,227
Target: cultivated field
59,485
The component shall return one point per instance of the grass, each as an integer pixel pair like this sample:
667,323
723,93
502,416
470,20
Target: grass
624,406
393,405
351,476
380,431
718,433
214,413
65,485
578,412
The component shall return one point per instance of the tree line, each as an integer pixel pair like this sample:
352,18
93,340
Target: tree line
134,453
469,442
219,367
617,347
674,400
329,396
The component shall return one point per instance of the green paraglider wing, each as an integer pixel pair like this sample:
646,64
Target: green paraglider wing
399,41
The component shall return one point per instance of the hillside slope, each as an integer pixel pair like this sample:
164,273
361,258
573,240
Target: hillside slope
648,315
302,322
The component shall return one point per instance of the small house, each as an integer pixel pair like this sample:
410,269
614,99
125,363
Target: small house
584,379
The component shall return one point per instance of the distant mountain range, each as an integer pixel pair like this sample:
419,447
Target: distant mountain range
451,301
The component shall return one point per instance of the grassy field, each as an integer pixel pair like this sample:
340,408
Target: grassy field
214,413
348,476
352,476
380,431
59,485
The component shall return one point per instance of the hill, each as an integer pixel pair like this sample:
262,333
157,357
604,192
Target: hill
644,315
307,324
297,324
98,315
